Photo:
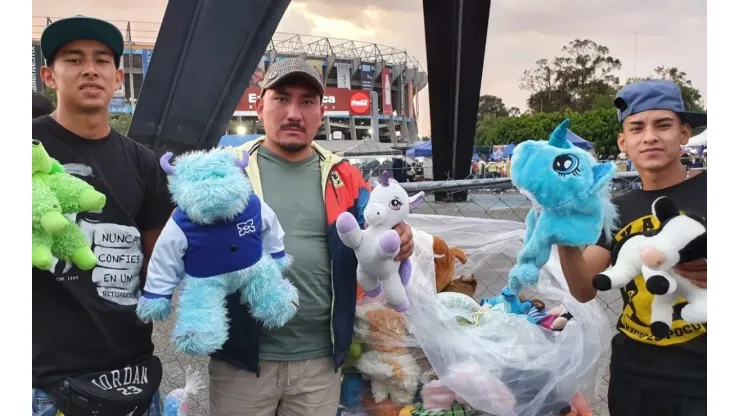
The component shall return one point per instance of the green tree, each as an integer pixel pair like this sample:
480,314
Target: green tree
582,79
492,106
120,122
550,101
691,96
50,94
543,83
587,65
598,126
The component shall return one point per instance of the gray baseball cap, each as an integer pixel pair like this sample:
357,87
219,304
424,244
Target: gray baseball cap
655,94
292,67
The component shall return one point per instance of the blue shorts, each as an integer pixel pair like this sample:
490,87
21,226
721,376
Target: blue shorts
43,406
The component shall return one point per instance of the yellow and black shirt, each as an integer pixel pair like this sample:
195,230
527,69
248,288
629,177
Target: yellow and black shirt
678,363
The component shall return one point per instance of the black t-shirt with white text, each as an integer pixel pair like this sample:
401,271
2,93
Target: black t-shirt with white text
85,321
676,364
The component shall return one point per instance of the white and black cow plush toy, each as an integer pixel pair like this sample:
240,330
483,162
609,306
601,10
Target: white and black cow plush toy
679,239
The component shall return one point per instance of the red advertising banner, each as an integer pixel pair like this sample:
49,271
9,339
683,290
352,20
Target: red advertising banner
359,103
337,101
386,85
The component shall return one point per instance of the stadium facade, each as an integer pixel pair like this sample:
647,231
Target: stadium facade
351,70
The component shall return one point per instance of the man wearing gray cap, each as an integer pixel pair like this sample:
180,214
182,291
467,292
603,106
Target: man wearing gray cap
296,369
650,375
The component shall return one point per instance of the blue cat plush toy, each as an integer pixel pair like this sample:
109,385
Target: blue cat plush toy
571,204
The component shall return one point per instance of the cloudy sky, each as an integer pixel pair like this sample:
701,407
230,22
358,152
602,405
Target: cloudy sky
667,32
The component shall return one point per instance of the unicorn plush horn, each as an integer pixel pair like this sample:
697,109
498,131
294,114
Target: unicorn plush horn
559,136
384,178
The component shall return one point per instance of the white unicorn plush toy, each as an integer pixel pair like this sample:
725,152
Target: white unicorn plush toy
378,245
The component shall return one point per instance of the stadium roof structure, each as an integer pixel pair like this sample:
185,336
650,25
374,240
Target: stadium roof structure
294,44
144,35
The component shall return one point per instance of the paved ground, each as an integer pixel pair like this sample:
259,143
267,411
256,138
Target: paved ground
508,206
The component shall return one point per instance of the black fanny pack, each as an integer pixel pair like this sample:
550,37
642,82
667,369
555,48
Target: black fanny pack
127,391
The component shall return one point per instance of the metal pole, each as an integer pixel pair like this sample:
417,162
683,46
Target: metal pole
374,119
132,98
456,90
635,69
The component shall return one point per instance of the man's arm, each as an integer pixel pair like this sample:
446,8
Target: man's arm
155,209
580,267
166,267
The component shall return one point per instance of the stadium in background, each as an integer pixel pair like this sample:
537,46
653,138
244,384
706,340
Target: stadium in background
351,70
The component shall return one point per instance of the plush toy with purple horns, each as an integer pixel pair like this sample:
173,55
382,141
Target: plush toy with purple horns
221,239
378,245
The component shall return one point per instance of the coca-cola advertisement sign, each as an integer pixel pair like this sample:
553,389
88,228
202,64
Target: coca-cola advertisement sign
359,104
337,102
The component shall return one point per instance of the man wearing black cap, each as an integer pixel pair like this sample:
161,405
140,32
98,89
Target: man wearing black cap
650,376
90,352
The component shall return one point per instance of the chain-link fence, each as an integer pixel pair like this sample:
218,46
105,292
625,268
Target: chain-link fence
493,198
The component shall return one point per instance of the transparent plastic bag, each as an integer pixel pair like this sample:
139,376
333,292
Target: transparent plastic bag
481,358
176,402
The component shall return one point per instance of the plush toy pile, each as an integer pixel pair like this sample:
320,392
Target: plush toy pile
509,353
55,196
386,372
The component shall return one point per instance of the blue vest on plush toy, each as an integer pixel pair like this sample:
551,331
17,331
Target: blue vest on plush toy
222,247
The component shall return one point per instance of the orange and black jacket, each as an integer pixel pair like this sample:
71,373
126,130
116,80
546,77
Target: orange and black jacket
344,190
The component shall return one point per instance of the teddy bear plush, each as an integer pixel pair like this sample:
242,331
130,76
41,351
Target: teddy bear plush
444,262
466,285
55,195
392,369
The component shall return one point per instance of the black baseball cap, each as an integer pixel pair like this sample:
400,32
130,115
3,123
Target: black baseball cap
81,27
656,94
292,67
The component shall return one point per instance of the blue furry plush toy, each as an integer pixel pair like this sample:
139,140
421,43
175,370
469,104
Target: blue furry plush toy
220,239
508,301
571,204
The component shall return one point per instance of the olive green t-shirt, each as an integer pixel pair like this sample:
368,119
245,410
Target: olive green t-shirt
293,191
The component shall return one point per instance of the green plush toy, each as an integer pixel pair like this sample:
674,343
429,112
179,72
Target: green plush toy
57,194
355,350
